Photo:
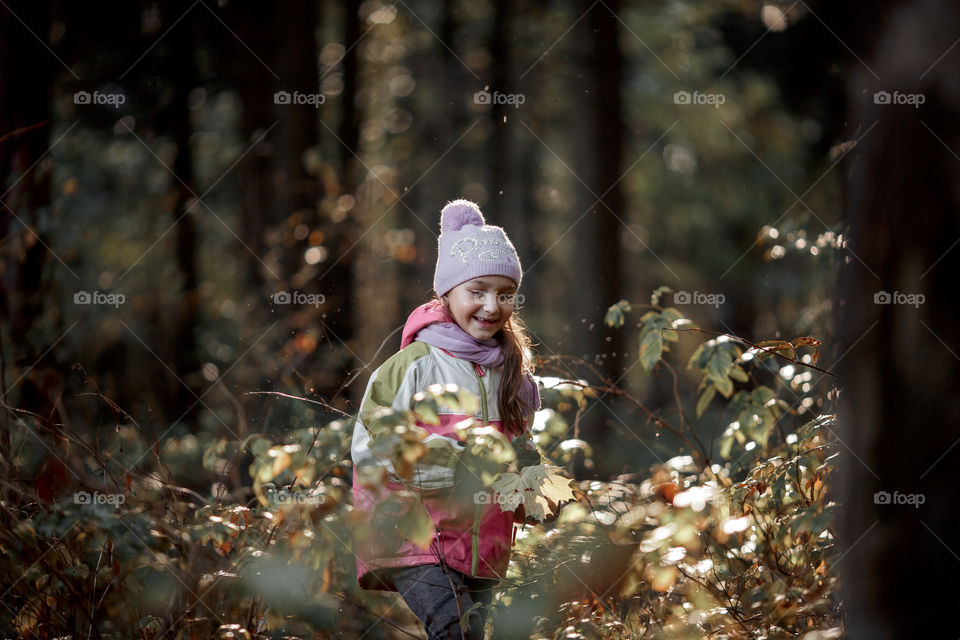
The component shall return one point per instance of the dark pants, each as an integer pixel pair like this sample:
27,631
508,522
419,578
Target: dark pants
431,593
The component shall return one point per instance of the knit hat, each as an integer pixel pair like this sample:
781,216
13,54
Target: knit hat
468,248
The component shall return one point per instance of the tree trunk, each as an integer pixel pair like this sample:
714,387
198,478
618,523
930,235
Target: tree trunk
278,188
595,261
176,123
339,283
255,86
25,122
502,169
900,420
26,215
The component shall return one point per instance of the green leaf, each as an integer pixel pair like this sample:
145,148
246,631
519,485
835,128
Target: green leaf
469,402
801,523
651,347
779,489
724,386
616,314
671,318
764,394
426,411
260,446
416,525
700,357
737,373
659,291
823,520
726,444
656,332
705,399
215,451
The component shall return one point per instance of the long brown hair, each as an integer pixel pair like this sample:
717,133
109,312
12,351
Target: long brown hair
517,362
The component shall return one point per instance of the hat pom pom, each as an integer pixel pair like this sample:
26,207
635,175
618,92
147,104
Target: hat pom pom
459,213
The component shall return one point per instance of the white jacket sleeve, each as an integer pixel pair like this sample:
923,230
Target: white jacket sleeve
435,471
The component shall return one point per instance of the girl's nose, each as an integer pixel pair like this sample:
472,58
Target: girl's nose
490,303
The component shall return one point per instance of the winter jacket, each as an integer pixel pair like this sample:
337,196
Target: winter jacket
474,537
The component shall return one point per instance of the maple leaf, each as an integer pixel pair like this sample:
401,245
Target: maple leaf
539,488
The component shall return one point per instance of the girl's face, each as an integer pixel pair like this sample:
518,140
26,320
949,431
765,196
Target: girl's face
481,306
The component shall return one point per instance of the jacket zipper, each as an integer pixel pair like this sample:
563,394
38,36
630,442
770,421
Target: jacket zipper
478,372
478,509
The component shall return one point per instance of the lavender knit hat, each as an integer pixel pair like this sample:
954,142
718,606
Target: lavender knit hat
468,248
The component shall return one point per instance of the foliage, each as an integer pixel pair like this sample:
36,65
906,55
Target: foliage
221,531
686,554
738,547
697,546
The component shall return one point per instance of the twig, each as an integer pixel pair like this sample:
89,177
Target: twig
367,366
287,395
753,345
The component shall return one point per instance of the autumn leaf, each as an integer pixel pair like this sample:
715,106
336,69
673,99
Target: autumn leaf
539,488
416,525
661,578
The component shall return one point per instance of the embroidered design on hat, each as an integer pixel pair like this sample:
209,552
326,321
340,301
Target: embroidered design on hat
500,249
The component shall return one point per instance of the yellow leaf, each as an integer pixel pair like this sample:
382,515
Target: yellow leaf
281,460
416,525
661,578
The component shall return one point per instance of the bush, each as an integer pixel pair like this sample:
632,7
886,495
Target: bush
735,544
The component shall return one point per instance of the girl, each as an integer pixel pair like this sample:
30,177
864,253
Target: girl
469,336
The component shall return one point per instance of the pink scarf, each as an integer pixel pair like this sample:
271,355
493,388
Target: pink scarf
430,323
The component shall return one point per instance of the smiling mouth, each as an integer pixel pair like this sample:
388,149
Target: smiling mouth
484,321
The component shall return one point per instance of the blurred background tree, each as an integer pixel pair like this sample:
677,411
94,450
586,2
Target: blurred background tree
201,196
